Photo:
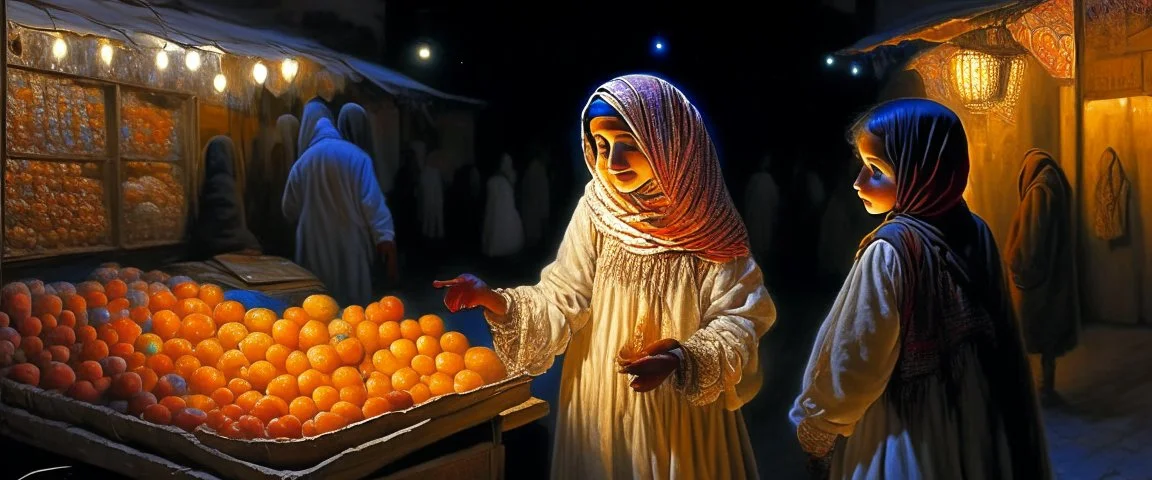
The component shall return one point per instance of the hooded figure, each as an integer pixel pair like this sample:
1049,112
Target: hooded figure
264,214
919,369
1040,258
220,226
342,220
761,203
503,231
653,299
1112,190
356,127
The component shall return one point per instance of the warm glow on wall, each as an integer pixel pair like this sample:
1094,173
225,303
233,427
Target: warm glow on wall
976,76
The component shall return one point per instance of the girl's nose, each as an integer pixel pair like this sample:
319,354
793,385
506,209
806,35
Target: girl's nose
616,161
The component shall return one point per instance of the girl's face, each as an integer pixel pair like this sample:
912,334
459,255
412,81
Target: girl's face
618,156
876,183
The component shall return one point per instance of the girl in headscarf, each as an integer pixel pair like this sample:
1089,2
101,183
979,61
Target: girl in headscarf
503,230
653,299
341,216
919,369
220,226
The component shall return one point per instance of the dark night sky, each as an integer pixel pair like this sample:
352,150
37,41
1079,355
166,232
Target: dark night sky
755,70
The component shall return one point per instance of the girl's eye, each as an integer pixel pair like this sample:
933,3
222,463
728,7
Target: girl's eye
876,173
601,146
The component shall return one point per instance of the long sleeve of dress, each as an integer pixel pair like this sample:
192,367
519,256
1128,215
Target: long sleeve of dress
372,204
722,356
291,204
541,318
1034,251
855,352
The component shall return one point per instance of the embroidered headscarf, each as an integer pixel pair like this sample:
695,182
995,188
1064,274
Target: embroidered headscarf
700,217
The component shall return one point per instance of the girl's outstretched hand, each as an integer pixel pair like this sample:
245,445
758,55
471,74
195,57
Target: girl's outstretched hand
656,364
467,291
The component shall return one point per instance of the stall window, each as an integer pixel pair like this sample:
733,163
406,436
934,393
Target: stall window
73,184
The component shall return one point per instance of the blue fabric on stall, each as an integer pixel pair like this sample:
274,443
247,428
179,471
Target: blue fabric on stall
253,299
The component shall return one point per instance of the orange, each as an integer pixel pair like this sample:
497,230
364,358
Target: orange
303,407
186,290
197,327
165,324
340,327
118,304
389,332
392,308
202,402
278,355
287,333
350,411
410,329
229,311
353,315
325,396
375,406
374,314
369,335
223,396
148,378
211,294
321,308
284,386
404,350
208,351
255,345
309,381
313,333
160,363
454,342
324,358
239,386
405,378
232,362
432,325
159,301
173,403
467,380
484,361
449,363
231,334
439,384
379,384
428,345
248,399
116,288
354,394
346,377
260,320
420,393
385,362
205,380
189,306
366,367
328,422
351,351
186,365
287,426
296,363
297,315
126,329
269,407
424,365
308,429
260,374
232,411
31,327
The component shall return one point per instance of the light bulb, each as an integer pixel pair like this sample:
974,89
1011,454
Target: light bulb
424,53
161,60
220,82
289,68
59,48
192,60
106,53
259,72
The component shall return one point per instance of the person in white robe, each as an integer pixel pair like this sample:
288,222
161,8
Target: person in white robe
429,194
653,299
842,226
534,201
503,230
761,204
355,127
919,370
342,220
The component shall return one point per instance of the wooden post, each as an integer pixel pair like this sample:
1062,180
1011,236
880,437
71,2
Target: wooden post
3,126
1079,27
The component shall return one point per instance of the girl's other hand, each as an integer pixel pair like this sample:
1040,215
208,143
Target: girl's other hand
467,291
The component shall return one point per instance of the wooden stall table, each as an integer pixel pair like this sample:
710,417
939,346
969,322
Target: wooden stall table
276,277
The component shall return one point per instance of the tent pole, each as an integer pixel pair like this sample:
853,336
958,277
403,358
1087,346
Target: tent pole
1079,19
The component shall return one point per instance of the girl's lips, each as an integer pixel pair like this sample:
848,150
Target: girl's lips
625,176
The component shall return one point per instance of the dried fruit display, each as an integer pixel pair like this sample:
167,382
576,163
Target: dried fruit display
53,206
154,202
54,116
150,126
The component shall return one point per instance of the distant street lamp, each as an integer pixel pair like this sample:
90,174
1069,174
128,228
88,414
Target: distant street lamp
424,52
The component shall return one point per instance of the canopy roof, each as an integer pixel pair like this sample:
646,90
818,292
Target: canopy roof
137,23
943,21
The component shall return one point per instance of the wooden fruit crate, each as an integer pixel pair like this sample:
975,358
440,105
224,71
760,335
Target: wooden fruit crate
352,452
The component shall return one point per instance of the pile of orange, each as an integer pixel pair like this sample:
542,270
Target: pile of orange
175,352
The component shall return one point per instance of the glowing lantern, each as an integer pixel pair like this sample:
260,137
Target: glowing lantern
289,68
59,48
106,53
161,60
259,72
977,77
192,60
220,82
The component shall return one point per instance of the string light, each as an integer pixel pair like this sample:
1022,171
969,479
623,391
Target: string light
59,48
106,53
289,68
161,60
220,82
259,73
192,60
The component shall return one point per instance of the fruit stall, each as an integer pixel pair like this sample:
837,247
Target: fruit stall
148,374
